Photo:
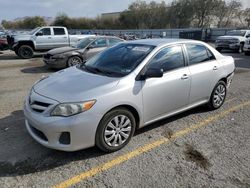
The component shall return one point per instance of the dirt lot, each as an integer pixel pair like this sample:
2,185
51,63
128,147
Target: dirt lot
198,148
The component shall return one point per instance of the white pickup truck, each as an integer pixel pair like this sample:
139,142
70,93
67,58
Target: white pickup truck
41,39
233,40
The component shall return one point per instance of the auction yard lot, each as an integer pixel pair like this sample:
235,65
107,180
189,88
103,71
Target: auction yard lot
194,149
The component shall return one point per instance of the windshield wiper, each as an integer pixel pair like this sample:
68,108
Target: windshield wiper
97,70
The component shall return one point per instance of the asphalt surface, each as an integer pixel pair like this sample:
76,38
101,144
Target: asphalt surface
214,155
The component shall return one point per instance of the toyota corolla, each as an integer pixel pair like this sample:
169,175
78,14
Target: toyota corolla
125,87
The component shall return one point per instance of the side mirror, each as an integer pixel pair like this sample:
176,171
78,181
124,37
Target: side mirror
39,34
90,47
151,73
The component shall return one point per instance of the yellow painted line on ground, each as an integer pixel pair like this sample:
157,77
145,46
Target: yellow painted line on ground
118,160
230,100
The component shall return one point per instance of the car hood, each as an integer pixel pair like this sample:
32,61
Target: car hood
74,85
227,37
62,50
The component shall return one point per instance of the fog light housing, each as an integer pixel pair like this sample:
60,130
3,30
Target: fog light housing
64,138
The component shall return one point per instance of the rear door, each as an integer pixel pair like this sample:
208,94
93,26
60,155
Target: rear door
60,37
96,47
205,72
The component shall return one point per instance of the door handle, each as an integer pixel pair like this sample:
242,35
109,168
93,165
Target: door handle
215,68
184,77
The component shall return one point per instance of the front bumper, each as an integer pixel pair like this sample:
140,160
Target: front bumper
48,130
229,46
56,63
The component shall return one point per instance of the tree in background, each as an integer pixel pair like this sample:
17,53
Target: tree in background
141,15
26,23
226,12
154,15
180,13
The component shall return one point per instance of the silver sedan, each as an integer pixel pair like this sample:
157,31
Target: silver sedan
125,87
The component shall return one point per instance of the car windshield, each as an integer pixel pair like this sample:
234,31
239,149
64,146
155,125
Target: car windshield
236,33
119,60
32,32
83,43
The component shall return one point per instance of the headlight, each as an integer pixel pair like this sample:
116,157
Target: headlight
69,109
59,56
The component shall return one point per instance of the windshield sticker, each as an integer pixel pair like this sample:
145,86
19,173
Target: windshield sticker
141,49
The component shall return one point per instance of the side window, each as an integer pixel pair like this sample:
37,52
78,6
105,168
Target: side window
59,31
198,54
210,55
45,31
98,43
168,59
113,41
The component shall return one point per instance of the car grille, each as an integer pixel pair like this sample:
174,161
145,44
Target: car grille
38,106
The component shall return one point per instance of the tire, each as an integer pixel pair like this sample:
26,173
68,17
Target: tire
112,124
25,52
220,90
219,49
74,60
241,48
247,53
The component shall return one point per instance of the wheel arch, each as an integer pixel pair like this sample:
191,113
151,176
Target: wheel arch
130,108
26,42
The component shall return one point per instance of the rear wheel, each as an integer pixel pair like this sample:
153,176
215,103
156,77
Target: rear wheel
115,130
25,52
218,96
75,60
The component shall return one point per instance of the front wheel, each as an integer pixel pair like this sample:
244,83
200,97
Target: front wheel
241,48
218,96
25,52
75,60
219,49
115,130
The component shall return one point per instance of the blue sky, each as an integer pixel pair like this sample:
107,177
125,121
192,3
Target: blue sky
11,9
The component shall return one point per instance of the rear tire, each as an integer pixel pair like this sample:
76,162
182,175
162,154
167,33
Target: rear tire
115,130
218,96
25,52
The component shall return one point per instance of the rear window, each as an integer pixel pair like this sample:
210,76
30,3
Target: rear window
59,31
198,54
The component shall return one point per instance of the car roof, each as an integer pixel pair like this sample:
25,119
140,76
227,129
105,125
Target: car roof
159,42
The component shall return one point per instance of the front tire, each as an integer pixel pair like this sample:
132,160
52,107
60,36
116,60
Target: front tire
74,60
241,48
115,130
219,49
25,52
218,96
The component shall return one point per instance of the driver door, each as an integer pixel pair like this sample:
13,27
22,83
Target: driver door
167,94
44,39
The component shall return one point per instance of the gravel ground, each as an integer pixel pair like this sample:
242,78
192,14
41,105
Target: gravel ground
216,155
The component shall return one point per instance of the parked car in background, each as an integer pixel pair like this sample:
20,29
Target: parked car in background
41,39
233,40
84,49
130,85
